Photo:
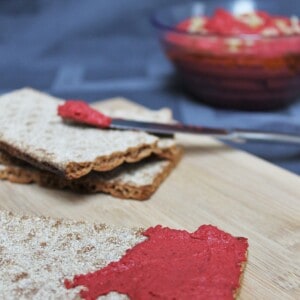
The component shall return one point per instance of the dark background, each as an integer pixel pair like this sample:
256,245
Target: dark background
95,49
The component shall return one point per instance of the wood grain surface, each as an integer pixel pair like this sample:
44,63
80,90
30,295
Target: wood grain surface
213,184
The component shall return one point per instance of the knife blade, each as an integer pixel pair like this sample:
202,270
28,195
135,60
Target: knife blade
234,135
81,112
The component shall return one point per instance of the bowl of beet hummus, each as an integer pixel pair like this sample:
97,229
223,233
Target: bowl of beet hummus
242,55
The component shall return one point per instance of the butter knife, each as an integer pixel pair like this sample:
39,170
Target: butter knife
81,112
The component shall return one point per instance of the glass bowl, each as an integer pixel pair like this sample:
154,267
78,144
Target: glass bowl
241,71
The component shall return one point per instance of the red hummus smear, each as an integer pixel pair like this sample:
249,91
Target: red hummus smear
172,264
80,111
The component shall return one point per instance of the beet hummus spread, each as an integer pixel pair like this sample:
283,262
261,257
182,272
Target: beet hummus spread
172,264
258,24
80,111
238,60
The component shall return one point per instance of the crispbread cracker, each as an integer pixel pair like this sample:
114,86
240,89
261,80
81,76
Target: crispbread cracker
131,181
38,253
31,130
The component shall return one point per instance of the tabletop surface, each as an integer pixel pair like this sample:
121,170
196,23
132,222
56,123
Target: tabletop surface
96,49
213,184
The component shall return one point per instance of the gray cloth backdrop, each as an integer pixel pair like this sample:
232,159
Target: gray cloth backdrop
95,49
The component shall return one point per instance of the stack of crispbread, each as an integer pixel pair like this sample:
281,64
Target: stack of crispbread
38,146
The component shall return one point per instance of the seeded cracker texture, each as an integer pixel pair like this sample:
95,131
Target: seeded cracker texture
37,254
31,130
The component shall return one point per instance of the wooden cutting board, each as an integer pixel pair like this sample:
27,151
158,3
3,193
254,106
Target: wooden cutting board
213,184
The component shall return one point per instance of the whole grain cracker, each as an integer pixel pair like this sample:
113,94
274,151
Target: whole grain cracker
129,181
31,130
38,253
